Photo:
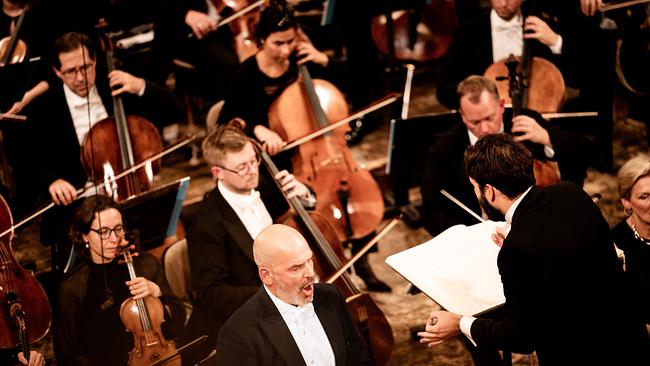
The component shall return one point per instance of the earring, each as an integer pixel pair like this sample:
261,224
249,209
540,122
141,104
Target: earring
628,211
87,245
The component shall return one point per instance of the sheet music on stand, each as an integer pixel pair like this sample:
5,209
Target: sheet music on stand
457,269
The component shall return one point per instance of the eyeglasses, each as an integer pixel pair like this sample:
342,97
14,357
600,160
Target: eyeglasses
71,73
244,168
105,232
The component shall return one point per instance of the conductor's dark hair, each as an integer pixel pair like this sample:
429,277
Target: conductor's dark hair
69,42
501,162
276,18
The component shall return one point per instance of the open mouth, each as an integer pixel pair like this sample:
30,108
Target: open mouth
308,290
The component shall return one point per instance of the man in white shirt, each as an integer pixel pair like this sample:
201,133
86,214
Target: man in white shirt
245,201
490,38
291,320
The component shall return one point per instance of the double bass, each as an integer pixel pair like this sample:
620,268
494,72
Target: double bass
25,314
370,321
347,194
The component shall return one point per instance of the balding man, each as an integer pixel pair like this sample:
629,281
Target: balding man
291,320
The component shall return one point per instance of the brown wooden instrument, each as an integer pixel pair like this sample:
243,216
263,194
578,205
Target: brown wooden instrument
25,314
243,24
348,196
368,318
143,317
421,34
12,49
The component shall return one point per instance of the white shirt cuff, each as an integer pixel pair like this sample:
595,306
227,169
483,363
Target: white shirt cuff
466,327
549,152
556,48
309,201
141,91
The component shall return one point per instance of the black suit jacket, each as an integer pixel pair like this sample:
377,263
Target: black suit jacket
445,170
220,250
256,333
565,294
470,53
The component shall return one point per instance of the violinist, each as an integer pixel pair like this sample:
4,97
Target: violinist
492,37
220,240
263,77
64,114
291,320
87,326
482,114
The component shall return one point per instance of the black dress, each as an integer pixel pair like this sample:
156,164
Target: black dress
87,326
637,263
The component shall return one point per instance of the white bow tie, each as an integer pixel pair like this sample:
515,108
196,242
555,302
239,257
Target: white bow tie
246,202
301,311
510,26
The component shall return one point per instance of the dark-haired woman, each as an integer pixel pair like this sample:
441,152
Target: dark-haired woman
263,77
87,325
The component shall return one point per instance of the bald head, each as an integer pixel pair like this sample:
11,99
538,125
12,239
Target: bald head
284,263
274,241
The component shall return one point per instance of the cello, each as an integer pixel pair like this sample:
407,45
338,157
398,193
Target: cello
25,310
143,317
13,49
348,196
138,139
370,321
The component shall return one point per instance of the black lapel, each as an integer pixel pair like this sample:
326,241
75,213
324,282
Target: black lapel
234,226
277,332
328,317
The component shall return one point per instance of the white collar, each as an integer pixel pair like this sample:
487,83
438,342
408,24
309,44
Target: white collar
499,23
513,207
75,101
240,200
287,309
473,138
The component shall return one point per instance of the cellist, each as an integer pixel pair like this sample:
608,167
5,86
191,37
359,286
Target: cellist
61,117
261,79
87,326
220,240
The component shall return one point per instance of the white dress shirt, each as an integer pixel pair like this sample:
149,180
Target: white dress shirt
508,37
466,320
78,107
249,208
307,332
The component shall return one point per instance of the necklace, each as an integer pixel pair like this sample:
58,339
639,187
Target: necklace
637,236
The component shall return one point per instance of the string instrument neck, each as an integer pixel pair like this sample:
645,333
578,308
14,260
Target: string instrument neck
145,320
312,96
8,54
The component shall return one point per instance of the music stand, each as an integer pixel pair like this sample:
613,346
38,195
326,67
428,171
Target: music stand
152,216
408,150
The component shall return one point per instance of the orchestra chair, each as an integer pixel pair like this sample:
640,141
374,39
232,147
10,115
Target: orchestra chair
176,266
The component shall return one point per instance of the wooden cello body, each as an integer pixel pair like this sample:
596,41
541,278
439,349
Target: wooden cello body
347,194
25,314
370,321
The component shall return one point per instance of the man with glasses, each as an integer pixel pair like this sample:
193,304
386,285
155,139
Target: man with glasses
220,239
61,118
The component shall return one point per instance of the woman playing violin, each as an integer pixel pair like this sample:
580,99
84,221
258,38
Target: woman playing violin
262,78
87,325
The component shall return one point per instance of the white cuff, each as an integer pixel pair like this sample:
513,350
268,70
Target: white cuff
556,47
141,91
549,152
466,327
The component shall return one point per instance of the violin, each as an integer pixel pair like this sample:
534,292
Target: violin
13,49
143,318
25,310
368,318
421,34
348,196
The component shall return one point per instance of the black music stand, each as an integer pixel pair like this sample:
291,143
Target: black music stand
408,150
152,216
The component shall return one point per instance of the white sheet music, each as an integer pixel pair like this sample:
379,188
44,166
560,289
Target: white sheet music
457,269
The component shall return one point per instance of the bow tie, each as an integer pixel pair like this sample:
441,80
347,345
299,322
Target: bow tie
301,311
247,201
510,26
